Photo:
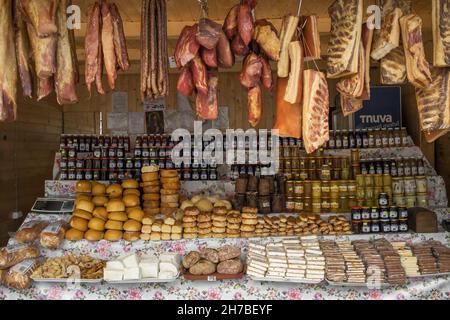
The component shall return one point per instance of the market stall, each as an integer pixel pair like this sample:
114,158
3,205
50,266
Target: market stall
342,200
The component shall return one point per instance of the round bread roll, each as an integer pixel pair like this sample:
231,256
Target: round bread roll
237,235
247,234
168,212
148,190
136,214
170,180
233,231
167,173
250,210
131,236
191,211
185,204
150,204
154,183
234,226
171,186
118,216
249,215
205,236
150,176
80,197
85,205
131,200
191,230
169,205
169,198
74,235
132,226
204,231
152,211
204,225
93,235
131,191
101,213
151,168
113,235
114,225
115,205
204,217
234,218
96,224
83,186
204,205
151,197
187,235
219,235
250,221
128,210
219,217
82,214
219,224
224,203
79,224
247,228
114,191
192,224
99,201
168,192
220,210
190,219
98,189
130,184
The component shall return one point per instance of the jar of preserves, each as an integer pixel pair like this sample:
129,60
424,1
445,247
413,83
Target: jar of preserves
422,200
391,138
325,205
307,204
299,188
410,201
384,213
96,175
394,170
369,180
371,138
387,180
71,174
421,184
365,227
121,174
395,226
375,226
403,225
397,137
186,174
334,205
402,213
137,163
316,189
79,174
360,193
356,213
338,139
345,139
357,226
332,141
112,175
88,163
343,204
352,201
421,167
326,188
316,207
112,164
398,186
385,226
383,199
64,175
343,187
63,163
410,186
298,207
399,201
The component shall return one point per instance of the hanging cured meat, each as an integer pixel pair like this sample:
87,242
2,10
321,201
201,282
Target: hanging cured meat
245,23
44,53
350,105
65,77
266,74
433,102
207,104
208,33
199,75
230,25
109,53
288,29
310,37
343,46
441,33
225,56
294,89
185,82
417,67
267,38
288,119
353,85
187,46
154,57
44,87
209,57
389,35
23,52
254,105
120,43
315,110
92,45
432,136
8,70
393,67
238,46
41,14
251,71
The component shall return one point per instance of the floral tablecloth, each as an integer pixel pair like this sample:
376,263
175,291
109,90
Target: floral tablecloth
245,288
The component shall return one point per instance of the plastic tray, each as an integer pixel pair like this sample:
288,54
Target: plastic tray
355,285
66,280
430,275
147,280
303,281
211,277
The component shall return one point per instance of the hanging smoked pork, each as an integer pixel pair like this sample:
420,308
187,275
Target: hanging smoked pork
230,25
393,67
245,23
8,70
254,105
267,38
185,82
294,89
199,75
225,56
209,57
187,46
208,33
22,52
266,74
345,36
433,102
288,120
207,104
389,35
315,110
250,75
66,75
92,46
310,37
41,14
288,29
109,53
120,43
441,33
417,67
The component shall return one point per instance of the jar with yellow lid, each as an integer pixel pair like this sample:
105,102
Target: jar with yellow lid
299,204
290,204
290,187
422,200
421,184
299,188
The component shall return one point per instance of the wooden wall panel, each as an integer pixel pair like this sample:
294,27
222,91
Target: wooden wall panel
27,150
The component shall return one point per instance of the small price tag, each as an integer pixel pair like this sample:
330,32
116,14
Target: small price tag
212,278
172,62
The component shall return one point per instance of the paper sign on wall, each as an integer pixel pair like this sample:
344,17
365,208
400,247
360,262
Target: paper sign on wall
136,122
154,105
117,121
119,102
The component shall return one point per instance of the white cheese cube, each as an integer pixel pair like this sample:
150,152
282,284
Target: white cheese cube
132,274
149,269
130,261
113,275
115,265
173,258
166,267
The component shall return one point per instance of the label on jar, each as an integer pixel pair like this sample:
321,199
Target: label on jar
384,214
88,175
356,215
403,213
365,214
375,227
394,226
375,215
365,227
79,176
391,141
393,214
403,226
338,143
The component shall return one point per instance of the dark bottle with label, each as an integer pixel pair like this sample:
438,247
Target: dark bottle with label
345,139
420,167
386,168
379,168
372,168
365,138
400,168
407,167
352,140
338,139
394,171
371,139
332,141
414,169
364,169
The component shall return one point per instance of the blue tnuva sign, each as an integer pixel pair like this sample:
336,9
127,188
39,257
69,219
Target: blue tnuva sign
383,110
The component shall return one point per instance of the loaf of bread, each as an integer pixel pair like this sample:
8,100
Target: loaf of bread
229,252
53,235
30,231
12,255
233,266
190,259
19,276
203,267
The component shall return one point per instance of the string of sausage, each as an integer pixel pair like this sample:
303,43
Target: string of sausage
144,48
